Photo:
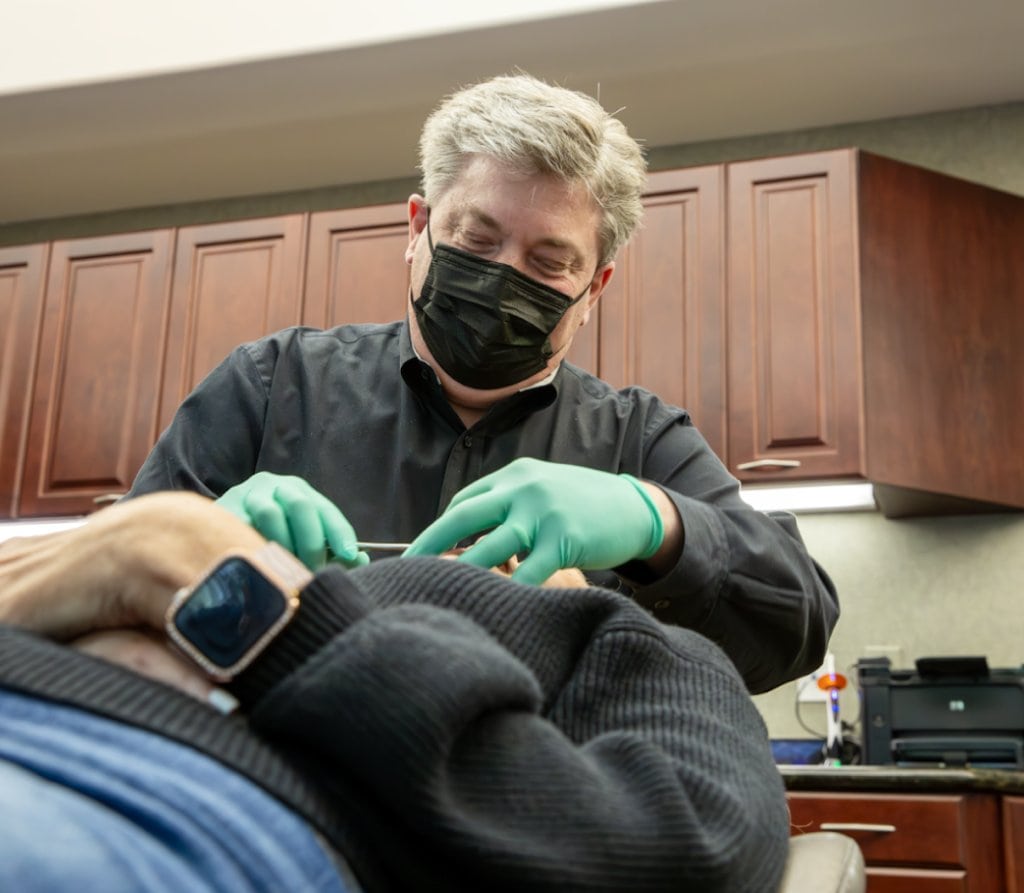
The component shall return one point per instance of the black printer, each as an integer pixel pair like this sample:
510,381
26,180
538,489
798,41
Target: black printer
948,711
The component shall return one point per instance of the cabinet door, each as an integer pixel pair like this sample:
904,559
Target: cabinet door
1013,843
94,399
233,282
21,283
356,270
795,401
661,323
913,843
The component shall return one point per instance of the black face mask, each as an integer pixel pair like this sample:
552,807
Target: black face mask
487,324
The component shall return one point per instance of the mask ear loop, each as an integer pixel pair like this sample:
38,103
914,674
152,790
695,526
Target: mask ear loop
430,238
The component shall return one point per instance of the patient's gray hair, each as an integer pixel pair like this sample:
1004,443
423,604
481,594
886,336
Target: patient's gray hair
535,127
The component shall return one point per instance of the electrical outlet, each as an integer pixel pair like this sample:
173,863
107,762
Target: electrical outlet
807,686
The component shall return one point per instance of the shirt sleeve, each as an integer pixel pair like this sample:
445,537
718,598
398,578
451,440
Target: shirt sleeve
744,578
506,737
213,441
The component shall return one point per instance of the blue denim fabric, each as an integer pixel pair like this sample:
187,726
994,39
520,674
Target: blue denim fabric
88,804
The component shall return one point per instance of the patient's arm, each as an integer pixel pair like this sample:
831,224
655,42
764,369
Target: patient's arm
104,587
118,570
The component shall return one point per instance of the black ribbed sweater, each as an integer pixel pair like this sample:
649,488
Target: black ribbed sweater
447,729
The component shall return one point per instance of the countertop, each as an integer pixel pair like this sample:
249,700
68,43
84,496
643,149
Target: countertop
896,778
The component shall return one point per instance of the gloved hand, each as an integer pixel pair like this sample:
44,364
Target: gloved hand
287,510
563,515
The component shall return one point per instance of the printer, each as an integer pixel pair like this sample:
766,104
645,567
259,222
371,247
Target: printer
947,711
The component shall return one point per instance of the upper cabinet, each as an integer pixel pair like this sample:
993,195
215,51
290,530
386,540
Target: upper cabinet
233,282
22,272
355,271
876,313
794,365
824,316
661,322
130,324
94,397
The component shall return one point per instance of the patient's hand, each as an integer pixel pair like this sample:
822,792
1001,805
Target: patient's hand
149,655
119,569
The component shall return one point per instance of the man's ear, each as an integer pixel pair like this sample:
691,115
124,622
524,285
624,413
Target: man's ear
417,210
597,286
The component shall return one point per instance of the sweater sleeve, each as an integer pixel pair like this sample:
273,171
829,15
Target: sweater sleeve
495,736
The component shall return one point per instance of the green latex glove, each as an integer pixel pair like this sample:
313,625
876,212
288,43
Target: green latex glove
290,512
563,515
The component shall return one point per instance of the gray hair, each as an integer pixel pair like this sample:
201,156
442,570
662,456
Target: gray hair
535,127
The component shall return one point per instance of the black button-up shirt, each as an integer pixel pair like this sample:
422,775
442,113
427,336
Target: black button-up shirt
355,413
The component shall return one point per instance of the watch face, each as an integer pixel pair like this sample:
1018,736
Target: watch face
229,612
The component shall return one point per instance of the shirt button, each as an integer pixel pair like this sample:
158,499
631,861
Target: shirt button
662,604
467,441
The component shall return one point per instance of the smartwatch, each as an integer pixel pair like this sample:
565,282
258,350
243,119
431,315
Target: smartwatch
236,608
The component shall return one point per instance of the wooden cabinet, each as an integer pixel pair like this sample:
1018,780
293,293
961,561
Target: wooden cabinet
832,315
795,407
94,397
233,282
130,325
875,315
914,843
1013,843
355,272
661,322
21,282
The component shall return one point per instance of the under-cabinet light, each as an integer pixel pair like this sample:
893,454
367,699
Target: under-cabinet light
33,527
811,497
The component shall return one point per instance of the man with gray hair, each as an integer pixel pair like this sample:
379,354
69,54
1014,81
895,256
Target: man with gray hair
462,422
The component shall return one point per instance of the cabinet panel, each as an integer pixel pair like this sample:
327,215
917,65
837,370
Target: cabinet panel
21,283
94,402
942,295
902,880
661,322
913,843
794,371
233,282
356,270
1013,843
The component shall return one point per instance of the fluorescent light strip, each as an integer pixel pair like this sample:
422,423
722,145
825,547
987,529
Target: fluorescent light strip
811,497
9,529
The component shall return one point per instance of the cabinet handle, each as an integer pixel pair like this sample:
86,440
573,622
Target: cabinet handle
106,498
768,465
857,826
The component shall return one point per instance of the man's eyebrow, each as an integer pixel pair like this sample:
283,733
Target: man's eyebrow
485,219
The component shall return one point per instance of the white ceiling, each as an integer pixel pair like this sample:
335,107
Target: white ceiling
680,71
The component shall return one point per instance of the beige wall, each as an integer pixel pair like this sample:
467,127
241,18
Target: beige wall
980,144
931,586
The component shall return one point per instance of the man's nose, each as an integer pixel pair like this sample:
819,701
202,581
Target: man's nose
513,257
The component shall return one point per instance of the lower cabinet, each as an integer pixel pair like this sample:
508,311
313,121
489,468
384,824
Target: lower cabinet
1013,843
922,843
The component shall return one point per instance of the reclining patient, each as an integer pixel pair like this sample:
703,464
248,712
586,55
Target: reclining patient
414,724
